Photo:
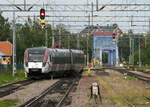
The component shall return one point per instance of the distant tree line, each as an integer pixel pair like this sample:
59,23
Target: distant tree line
30,34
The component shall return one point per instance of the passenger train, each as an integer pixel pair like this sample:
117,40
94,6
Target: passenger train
42,61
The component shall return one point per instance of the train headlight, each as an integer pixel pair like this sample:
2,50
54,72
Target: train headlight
44,63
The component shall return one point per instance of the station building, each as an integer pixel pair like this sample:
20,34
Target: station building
105,40
5,52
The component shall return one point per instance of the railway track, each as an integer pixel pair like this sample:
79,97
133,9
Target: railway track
55,96
123,71
140,77
132,105
10,88
146,71
148,98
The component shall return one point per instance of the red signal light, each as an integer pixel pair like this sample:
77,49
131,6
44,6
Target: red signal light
142,44
42,13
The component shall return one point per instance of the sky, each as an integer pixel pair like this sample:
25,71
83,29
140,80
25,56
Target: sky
140,27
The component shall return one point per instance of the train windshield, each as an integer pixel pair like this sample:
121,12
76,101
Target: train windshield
36,55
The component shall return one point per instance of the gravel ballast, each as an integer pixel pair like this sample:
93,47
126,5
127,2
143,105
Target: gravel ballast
29,91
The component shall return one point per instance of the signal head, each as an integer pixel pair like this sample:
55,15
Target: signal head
42,13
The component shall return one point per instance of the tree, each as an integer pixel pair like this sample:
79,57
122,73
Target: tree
5,31
123,45
30,35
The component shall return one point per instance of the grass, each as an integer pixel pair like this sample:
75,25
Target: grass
7,77
117,89
96,67
130,78
142,67
8,102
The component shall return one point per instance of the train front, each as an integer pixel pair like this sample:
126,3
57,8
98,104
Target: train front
35,62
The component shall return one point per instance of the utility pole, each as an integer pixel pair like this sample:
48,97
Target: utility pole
78,41
96,5
130,49
88,40
145,41
131,57
59,37
68,41
14,44
139,53
87,48
53,38
14,35
46,38
24,4
149,25
92,13
87,5
133,51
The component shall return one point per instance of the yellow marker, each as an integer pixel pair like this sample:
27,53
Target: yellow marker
94,60
114,41
42,21
97,61
89,71
128,67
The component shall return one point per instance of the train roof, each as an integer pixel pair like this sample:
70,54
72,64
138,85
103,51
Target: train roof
65,50
59,50
36,48
77,51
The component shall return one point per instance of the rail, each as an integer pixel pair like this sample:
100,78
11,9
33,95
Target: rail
62,87
10,88
66,94
35,99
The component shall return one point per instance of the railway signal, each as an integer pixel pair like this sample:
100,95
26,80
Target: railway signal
114,38
142,44
42,13
42,17
139,42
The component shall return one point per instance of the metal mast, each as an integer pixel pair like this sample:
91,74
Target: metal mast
14,43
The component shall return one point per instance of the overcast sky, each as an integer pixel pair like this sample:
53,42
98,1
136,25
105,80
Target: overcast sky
75,1
140,28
